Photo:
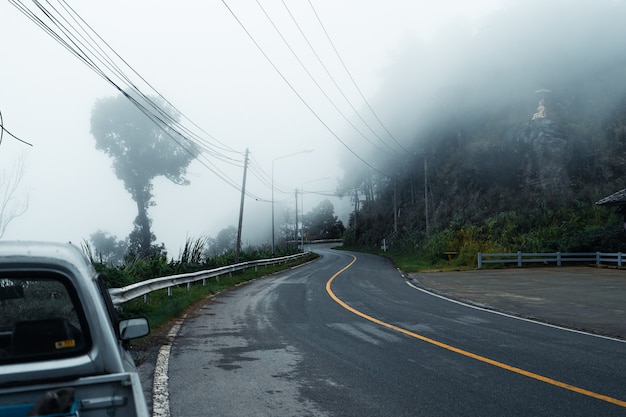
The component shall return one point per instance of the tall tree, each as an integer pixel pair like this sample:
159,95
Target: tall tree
224,242
321,222
141,150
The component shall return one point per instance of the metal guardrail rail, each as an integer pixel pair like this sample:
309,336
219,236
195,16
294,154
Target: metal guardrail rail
557,257
144,288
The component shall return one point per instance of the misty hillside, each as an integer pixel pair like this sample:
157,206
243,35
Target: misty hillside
515,131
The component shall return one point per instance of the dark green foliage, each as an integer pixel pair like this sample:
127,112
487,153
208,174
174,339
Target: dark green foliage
321,222
193,251
505,185
583,228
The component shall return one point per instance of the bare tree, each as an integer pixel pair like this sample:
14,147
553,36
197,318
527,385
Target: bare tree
11,205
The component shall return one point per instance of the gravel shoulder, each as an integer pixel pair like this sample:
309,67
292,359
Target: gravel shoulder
582,298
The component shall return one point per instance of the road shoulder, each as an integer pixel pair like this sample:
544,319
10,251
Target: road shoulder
580,298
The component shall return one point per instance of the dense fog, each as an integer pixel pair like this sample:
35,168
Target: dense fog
409,72
497,69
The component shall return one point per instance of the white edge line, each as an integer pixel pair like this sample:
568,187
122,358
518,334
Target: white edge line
487,310
160,388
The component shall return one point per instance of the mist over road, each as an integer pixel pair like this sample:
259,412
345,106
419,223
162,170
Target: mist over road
315,342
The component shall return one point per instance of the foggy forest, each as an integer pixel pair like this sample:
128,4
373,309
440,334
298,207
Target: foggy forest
506,148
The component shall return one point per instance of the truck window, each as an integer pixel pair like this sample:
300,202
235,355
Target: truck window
40,318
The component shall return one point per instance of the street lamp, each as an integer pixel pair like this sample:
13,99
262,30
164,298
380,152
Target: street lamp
274,160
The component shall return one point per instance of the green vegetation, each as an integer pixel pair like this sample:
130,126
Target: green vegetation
579,229
503,182
321,222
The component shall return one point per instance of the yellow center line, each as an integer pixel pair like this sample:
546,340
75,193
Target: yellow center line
464,352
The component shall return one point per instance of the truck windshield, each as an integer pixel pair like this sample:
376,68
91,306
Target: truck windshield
39,319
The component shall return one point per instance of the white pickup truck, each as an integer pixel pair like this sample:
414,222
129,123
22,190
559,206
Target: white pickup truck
62,347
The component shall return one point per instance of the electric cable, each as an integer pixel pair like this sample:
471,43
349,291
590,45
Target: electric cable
156,107
307,105
306,70
353,80
3,129
268,181
81,43
334,81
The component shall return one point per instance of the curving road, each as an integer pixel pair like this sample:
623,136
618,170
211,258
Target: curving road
347,336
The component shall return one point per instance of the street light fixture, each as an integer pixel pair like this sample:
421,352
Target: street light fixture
274,160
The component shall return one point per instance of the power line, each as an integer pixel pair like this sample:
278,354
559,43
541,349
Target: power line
223,146
306,70
308,106
266,179
3,129
82,41
343,94
352,79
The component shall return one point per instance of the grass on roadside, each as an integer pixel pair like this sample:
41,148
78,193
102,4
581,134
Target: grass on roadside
412,262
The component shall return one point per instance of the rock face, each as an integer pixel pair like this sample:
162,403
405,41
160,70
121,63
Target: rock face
545,153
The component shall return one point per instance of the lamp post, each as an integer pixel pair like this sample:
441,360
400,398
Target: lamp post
274,160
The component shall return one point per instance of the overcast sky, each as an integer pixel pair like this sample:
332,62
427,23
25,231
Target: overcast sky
198,56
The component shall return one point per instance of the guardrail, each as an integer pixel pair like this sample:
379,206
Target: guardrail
144,288
556,257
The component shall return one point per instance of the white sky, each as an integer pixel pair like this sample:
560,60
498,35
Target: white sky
199,58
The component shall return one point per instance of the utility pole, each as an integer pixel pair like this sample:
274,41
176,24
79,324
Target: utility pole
395,205
302,229
243,194
426,193
356,211
295,231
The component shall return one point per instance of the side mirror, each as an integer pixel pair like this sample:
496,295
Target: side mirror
134,328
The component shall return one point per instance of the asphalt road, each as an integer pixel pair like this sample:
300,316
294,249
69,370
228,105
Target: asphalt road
315,341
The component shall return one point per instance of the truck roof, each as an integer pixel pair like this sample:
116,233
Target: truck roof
46,253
